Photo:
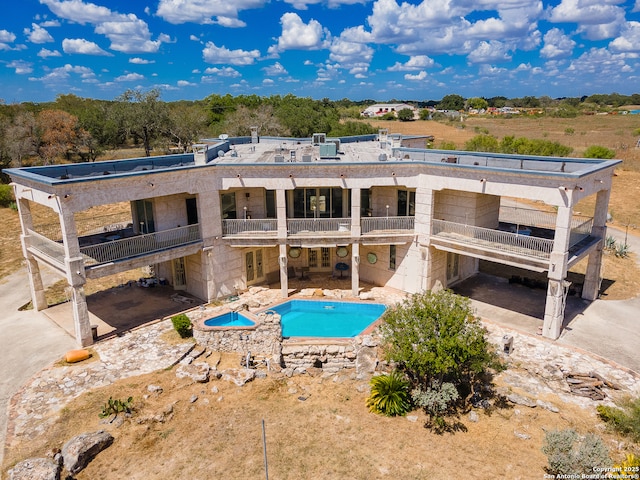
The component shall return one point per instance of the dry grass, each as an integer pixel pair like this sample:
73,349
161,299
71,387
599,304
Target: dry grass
328,435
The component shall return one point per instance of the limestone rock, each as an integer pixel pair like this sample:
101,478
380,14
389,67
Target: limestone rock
547,406
80,450
154,389
473,417
239,377
412,418
35,469
366,360
522,436
521,400
366,296
198,372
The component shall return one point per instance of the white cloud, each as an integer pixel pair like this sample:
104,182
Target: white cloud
304,4
418,77
44,53
141,61
275,70
215,54
557,44
296,35
6,37
127,33
599,62
50,23
37,34
268,82
61,74
185,83
204,11
223,72
415,62
350,51
82,46
129,77
636,7
490,70
629,39
194,38
21,67
596,20
489,52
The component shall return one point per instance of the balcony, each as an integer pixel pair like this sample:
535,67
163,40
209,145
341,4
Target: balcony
250,227
372,226
115,249
304,227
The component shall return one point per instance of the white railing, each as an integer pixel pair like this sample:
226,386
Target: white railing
140,245
371,224
250,225
304,225
580,232
49,248
494,239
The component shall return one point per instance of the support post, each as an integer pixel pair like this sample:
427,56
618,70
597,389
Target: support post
284,273
355,269
591,286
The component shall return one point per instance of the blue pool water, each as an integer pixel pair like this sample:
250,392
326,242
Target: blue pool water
311,318
230,319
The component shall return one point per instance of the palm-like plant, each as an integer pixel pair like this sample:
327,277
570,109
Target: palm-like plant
389,395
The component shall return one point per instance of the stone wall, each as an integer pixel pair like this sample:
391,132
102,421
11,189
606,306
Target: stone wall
263,341
360,353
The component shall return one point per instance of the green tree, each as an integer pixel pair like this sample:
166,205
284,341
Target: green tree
482,143
477,103
185,124
434,337
142,115
405,115
451,102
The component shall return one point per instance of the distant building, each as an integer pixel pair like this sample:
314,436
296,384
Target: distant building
380,109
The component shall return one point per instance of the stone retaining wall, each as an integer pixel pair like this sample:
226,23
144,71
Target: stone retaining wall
263,341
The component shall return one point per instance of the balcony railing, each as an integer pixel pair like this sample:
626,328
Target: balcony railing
318,225
494,239
381,224
140,245
46,247
250,225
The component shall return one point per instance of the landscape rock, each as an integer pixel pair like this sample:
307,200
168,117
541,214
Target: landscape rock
547,406
522,436
473,417
239,377
154,389
521,400
366,360
412,418
198,372
80,450
35,469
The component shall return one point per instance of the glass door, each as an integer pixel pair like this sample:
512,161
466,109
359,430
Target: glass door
179,274
319,259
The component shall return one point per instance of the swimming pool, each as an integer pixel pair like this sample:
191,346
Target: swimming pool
229,319
314,318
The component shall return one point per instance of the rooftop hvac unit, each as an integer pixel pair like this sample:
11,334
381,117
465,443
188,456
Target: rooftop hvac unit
382,157
279,158
328,150
319,138
306,158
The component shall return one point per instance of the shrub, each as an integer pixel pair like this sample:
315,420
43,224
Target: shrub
114,407
622,250
447,146
624,419
182,324
437,401
596,151
405,115
6,195
568,454
389,395
482,143
630,464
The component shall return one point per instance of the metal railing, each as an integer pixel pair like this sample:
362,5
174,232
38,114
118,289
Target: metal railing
304,225
47,247
371,224
494,239
252,225
580,232
140,245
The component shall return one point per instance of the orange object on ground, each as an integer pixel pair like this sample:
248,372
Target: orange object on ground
73,356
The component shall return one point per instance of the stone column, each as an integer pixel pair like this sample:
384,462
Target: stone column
591,285
554,306
355,269
74,266
281,213
209,218
36,287
284,273
425,202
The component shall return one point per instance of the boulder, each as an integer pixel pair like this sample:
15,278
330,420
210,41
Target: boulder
366,360
80,450
239,377
198,372
521,400
35,469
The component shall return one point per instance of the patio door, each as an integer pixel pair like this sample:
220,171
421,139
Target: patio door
319,259
179,274
254,266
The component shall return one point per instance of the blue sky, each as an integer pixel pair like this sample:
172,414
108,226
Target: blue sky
357,49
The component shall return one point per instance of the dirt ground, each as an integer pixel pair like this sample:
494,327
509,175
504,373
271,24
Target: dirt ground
315,428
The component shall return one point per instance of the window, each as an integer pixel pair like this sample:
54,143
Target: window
270,200
228,205
406,203
144,216
392,257
192,211
316,203
365,202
